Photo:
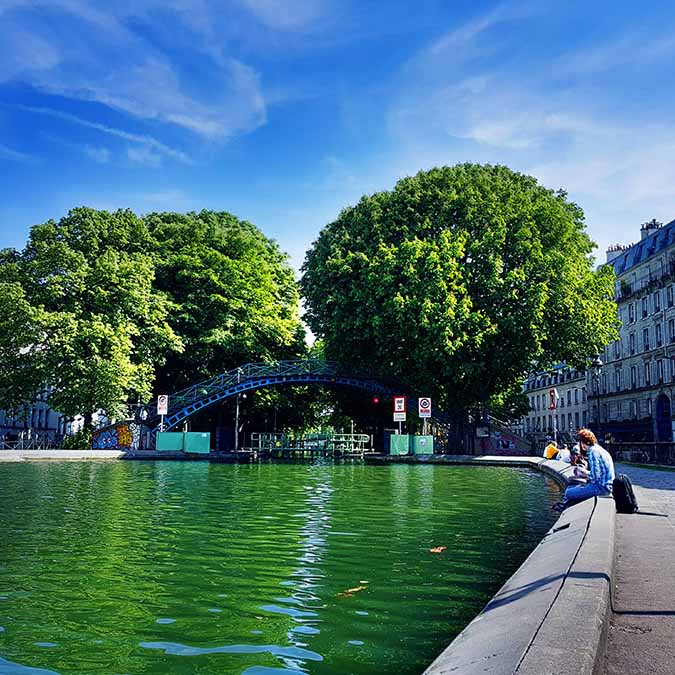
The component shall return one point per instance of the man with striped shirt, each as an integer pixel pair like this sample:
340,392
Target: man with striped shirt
600,474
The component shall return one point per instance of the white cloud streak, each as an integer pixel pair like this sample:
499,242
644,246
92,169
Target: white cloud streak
148,141
14,155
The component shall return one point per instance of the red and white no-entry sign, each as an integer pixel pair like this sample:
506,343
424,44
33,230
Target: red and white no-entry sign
424,405
162,404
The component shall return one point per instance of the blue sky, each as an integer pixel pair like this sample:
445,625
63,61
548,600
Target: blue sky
284,112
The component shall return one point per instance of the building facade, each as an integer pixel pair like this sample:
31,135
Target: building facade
37,422
571,411
631,399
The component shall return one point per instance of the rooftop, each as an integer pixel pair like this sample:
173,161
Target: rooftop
660,239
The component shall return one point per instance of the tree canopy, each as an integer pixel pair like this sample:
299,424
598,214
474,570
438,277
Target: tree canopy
99,304
458,282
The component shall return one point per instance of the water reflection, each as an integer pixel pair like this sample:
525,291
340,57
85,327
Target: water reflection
159,568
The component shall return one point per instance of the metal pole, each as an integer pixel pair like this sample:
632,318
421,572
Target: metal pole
424,426
236,417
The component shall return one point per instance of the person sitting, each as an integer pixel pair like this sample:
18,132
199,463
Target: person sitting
564,455
551,450
599,475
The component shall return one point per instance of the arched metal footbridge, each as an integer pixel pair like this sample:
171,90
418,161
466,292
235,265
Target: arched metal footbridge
183,404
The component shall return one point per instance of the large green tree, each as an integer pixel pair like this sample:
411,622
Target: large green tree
235,299
457,282
103,308
93,326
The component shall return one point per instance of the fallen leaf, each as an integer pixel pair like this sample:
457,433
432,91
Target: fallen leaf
350,591
438,549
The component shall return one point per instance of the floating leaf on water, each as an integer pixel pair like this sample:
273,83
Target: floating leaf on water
350,591
437,549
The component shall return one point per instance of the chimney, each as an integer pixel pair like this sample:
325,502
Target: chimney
648,228
614,252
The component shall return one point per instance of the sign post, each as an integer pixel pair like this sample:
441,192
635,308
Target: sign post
399,411
553,405
162,409
424,406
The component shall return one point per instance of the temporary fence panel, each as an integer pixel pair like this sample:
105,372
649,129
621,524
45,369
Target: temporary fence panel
422,445
399,444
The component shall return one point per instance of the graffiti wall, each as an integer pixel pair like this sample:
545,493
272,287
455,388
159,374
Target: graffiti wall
122,436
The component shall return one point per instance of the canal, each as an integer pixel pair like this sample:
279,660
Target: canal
115,568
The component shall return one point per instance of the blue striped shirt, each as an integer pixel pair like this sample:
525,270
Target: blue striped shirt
600,467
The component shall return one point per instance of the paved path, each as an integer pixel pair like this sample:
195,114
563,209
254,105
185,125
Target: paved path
641,636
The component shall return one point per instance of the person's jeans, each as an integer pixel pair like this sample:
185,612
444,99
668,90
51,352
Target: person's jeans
577,493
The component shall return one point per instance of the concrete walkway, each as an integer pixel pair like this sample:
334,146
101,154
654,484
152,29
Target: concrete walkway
641,637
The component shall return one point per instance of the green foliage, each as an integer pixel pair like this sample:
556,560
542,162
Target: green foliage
235,299
80,440
458,282
99,304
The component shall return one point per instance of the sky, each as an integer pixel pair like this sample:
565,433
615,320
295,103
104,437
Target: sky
283,112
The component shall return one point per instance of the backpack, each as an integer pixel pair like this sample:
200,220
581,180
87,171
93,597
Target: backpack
622,489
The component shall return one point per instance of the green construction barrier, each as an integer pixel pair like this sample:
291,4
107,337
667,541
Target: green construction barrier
422,445
399,444
169,441
197,441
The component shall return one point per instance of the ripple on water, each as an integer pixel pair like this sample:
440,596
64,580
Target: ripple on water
11,668
177,649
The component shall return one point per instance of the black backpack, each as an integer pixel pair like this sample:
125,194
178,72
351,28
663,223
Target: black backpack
622,489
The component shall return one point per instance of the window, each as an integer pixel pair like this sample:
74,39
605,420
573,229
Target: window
576,395
562,401
659,371
604,383
569,397
645,307
657,301
648,374
649,407
645,339
617,346
658,337
569,421
671,330
619,410
604,412
617,380
633,377
631,343
583,394
669,296
585,418
576,419
672,368
631,313
631,410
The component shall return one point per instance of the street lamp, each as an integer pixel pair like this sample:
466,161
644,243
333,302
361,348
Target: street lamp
596,367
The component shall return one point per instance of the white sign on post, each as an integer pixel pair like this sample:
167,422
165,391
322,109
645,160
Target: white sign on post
162,404
424,405
399,417
399,404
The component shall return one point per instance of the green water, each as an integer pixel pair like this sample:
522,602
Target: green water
133,568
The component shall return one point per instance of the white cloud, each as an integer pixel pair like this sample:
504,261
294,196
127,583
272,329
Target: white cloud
286,15
92,55
144,156
100,155
14,155
142,139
